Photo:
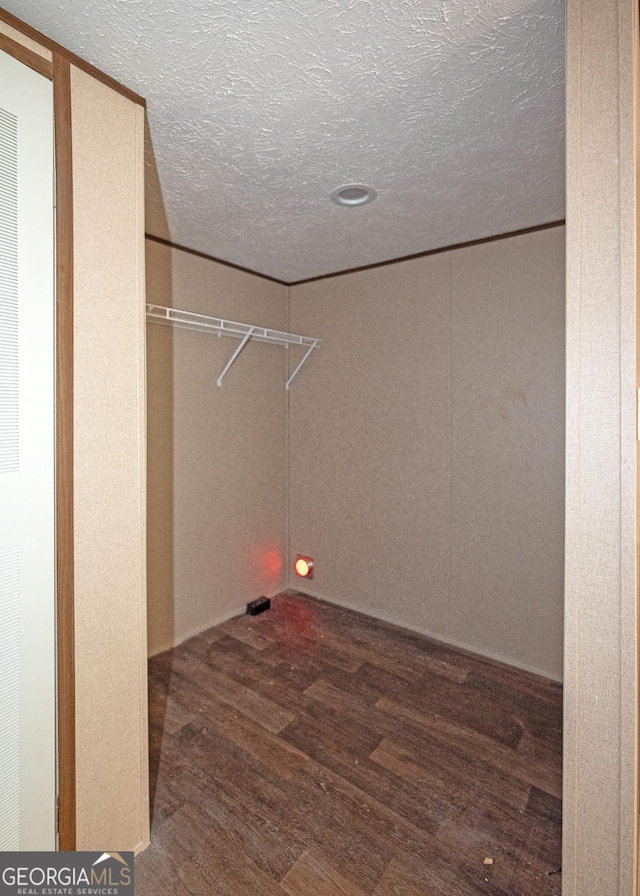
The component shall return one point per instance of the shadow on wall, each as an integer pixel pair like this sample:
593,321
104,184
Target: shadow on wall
160,473
156,221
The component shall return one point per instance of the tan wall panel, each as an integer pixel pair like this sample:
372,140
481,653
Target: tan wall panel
426,445
217,456
600,743
508,448
25,41
109,461
369,441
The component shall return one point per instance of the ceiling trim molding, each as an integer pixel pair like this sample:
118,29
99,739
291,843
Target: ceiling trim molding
478,242
45,41
364,267
228,264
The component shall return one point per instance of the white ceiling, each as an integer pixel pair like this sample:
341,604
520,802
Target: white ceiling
453,110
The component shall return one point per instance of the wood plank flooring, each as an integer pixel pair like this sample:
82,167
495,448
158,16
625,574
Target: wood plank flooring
313,751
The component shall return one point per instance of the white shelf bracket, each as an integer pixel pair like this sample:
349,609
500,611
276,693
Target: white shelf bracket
299,367
233,357
189,320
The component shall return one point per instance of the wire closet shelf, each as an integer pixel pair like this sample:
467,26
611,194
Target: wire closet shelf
189,320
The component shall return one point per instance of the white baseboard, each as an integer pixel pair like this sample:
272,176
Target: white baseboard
434,636
141,847
218,620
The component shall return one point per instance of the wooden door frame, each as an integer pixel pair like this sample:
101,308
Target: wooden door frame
64,456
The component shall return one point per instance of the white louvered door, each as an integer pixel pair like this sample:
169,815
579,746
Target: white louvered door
27,446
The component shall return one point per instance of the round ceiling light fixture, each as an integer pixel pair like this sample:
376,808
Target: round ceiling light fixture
353,194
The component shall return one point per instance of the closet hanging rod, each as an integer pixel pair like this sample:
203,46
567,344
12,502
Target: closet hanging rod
189,320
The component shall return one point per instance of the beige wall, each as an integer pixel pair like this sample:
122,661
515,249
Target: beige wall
25,41
600,741
426,445
217,456
109,462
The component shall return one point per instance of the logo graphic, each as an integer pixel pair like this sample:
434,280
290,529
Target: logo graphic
111,855
66,874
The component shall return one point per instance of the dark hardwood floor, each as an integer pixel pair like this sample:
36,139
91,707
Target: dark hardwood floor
312,751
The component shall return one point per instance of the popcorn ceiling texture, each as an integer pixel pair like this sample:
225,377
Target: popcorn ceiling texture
452,109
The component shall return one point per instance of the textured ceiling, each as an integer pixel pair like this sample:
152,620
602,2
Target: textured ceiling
453,110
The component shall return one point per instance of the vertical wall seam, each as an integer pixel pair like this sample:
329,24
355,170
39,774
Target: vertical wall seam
627,44
450,452
139,469
634,728
578,459
287,539
572,646
577,603
142,509
621,441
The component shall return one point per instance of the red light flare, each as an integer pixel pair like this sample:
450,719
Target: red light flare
266,563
